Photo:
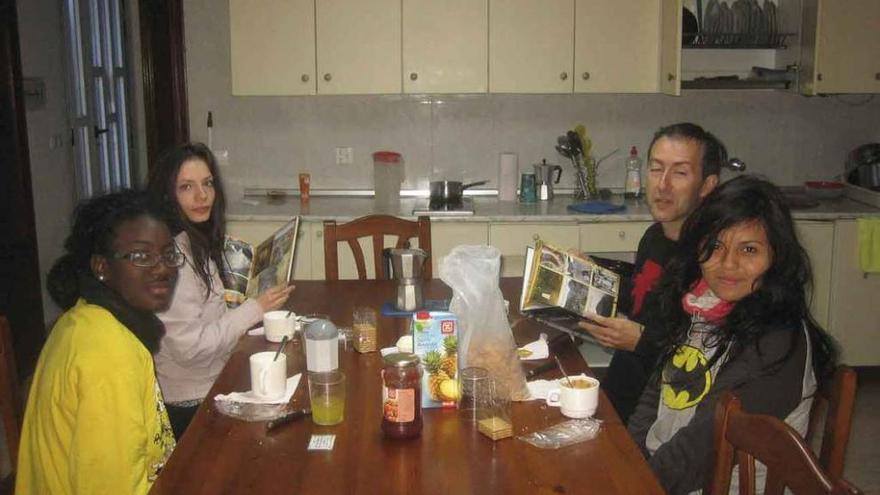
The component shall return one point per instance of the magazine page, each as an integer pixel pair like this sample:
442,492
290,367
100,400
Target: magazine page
235,272
273,259
563,280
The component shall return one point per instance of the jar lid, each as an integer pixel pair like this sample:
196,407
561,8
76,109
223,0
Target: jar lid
401,359
386,156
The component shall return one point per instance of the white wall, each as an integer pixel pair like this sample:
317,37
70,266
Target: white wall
41,37
787,137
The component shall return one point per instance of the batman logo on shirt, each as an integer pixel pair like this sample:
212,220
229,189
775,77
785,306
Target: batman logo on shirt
686,378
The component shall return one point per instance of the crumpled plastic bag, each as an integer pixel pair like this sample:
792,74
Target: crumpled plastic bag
485,339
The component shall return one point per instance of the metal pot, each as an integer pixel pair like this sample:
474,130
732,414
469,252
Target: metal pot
448,193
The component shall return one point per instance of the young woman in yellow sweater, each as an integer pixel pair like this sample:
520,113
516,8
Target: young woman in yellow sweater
95,420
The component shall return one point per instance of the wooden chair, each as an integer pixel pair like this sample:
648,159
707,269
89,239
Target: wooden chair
836,398
376,227
9,402
744,437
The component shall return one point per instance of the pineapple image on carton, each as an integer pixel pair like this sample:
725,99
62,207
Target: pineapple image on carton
435,341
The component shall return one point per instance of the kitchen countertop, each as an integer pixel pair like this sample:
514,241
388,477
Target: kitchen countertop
489,209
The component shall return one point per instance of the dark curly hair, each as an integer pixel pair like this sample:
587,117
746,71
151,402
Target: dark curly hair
206,239
94,230
714,153
780,300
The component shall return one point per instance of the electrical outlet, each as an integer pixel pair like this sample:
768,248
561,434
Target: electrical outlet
344,156
222,157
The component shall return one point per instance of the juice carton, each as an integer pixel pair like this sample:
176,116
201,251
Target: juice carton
435,341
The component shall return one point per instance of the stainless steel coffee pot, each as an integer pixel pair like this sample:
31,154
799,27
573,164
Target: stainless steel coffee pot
406,267
544,173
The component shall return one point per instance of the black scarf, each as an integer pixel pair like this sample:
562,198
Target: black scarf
145,325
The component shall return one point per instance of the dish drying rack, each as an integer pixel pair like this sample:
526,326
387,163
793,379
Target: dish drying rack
738,41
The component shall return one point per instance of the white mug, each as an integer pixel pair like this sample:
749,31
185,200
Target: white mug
578,400
277,324
268,376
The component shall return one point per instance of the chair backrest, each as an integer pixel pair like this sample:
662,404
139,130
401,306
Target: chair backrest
375,227
9,394
837,398
742,437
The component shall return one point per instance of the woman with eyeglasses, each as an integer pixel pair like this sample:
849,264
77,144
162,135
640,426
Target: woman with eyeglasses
95,420
200,332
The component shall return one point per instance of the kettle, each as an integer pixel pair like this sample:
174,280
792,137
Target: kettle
863,166
406,267
544,173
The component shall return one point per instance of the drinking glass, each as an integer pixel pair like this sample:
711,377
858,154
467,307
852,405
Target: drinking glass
476,392
327,395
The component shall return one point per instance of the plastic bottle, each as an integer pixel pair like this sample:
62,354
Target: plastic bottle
633,186
322,346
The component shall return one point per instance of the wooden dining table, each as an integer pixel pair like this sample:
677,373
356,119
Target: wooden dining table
224,455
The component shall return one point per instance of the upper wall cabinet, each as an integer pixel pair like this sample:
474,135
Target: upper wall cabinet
445,46
531,46
670,47
617,46
840,46
272,47
358,46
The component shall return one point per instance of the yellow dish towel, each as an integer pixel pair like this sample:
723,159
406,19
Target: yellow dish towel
869,244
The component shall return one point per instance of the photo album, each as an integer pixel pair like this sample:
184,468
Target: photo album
248,271
561,288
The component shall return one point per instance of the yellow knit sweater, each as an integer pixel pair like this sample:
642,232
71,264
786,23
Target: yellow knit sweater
95,421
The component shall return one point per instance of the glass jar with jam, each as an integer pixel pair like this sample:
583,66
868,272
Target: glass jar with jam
402,396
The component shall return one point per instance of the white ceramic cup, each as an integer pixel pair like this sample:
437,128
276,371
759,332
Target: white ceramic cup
578,400
268,377
277,324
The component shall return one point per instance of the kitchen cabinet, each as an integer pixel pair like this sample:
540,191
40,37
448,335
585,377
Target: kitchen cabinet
256,232
358,46
670,47
272,47
445,46
512,240
611,237
854,312
447,235
840,43
616,46
817,238
531,46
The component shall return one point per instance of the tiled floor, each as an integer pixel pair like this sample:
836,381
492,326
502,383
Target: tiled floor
863,454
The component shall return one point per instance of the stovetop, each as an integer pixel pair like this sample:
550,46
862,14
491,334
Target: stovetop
466,209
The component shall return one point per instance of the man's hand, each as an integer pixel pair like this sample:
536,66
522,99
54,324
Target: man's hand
618,333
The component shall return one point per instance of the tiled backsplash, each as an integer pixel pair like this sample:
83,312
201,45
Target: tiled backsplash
787,137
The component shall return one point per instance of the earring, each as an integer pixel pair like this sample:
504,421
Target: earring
101,277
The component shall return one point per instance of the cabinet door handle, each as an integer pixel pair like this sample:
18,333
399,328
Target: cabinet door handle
819,76
877,76
563,76
413,76
319,234
621,234
585,76
670,77
536,237
327,77
304,78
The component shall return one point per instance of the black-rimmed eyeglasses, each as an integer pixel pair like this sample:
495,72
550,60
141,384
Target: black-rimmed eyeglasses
143,259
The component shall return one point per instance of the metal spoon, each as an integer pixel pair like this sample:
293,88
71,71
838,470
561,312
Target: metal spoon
559,363
280,347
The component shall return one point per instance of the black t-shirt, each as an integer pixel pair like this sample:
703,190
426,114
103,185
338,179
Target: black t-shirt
629,371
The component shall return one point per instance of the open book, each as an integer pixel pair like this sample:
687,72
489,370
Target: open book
560,289
248,271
